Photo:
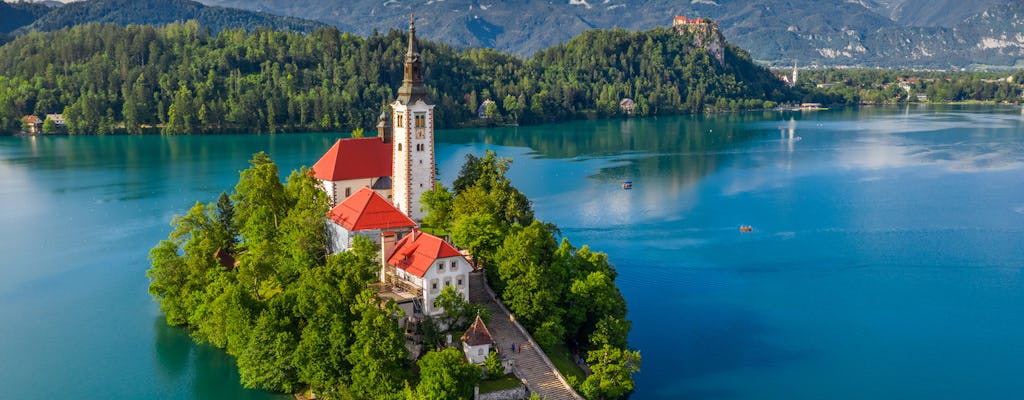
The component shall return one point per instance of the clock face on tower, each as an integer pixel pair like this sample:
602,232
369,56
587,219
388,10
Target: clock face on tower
420,134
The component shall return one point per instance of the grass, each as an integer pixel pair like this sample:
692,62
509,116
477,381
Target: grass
433,231
562,359
493,385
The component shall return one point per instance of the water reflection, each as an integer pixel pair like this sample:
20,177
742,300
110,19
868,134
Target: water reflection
173,348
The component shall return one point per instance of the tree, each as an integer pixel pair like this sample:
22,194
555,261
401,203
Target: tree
182,114
438,204
530,283
49,127
458,313
481,234
266,361
493,365
446,375
378,354
612,373
180,263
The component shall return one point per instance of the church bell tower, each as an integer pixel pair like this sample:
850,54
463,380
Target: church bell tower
412,127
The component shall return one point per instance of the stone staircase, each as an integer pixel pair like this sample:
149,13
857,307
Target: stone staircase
531,364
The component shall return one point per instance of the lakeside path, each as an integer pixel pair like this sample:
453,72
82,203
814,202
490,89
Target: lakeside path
531,364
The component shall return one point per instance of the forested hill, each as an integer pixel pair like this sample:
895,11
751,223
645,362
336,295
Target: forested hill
182,79
159,12
16,15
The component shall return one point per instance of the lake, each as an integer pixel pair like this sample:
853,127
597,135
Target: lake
884,262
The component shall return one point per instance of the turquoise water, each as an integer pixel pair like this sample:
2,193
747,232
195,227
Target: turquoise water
885,260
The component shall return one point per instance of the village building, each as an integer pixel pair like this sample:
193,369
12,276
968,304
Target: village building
481,112
477,342
423,264
58,119
627,105
33,125
225,259
680,20
365,213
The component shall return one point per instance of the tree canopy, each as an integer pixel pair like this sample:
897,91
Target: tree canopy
291,315
560,293
181,78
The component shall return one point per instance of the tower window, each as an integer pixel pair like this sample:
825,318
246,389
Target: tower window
398,120
399,147
421,120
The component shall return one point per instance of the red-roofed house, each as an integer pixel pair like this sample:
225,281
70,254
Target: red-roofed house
32,124
364,213
477,342
354,163
427,263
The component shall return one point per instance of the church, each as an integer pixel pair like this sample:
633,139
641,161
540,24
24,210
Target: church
374,186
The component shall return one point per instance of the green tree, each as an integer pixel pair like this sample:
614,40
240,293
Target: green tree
612,373
446,375
266,361
49,127
438,204
493,365
378,354
458,313
480,233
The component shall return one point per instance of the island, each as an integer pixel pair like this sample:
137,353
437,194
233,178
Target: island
342,282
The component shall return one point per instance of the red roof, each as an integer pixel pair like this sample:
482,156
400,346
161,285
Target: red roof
477,334
416,252
365,209
354,158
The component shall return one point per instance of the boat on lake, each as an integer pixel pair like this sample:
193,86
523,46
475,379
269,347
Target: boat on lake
627,185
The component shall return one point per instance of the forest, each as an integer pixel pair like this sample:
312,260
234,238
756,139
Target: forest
249,273
883,86
181,78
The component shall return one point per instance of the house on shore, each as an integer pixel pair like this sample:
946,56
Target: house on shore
33,125
58,119
627,105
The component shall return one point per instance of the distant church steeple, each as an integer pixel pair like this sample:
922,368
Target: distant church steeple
412,171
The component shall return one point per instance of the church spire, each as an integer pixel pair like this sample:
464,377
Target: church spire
412,88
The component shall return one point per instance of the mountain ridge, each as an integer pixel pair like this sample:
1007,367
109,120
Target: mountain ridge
869,33
124,12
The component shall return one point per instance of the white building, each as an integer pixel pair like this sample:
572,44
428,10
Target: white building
477,342
425,264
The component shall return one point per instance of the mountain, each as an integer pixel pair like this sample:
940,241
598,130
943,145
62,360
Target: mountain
158,12
945,13
16,15
888,33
